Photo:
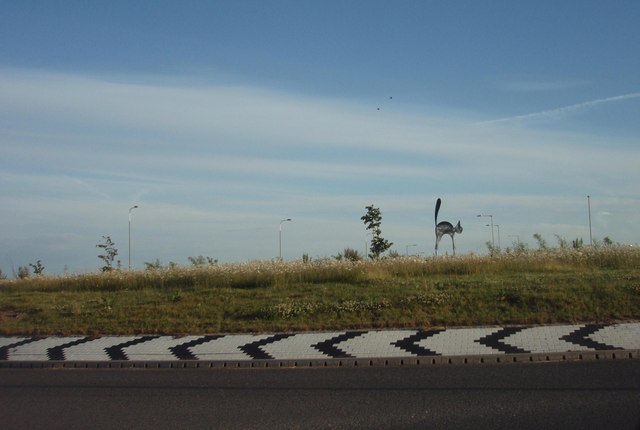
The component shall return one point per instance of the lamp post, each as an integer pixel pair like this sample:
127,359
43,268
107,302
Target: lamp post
280,236
493,243
497,226
130,209
415,244
589,206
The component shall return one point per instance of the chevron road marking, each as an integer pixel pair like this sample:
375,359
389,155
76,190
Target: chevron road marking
158,349
300,346
361,346
454,342
460,342
545,339
5,341
625,336
226,348
38,349
94,350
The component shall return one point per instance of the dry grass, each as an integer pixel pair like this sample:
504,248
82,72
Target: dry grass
551,286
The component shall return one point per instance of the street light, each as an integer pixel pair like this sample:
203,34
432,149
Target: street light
280,235
130,209
497,226
493,243
589,206
415,244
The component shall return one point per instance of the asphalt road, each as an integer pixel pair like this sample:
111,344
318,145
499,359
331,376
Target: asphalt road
561,395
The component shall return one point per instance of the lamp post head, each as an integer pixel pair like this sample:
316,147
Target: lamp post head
281,221
130,209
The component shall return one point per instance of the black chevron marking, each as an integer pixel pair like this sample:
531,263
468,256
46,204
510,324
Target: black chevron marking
328,347
57,352
581,337
254,351
182,351
494,340
4,350
116,352
410,343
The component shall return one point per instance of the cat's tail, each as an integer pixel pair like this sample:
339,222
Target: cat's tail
438,203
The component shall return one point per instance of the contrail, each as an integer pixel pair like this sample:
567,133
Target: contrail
552,113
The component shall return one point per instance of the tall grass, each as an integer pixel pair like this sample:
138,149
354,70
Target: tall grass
554,285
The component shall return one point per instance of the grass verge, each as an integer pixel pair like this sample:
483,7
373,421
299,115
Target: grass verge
536,287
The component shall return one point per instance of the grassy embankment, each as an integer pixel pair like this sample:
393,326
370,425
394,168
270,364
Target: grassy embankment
535,287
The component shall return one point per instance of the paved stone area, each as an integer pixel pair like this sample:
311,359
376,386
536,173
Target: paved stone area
454,342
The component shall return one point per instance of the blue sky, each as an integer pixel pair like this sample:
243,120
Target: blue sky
219,119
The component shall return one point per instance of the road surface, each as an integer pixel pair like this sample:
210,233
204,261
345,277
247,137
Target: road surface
544,395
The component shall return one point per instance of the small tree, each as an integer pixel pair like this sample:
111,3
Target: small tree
394,254
519,247
38,268
349,254
562,242
493,250
542,244
372,220
201,261
153,265
109,255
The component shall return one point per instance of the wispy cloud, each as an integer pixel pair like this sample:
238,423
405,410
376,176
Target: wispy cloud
562,111
539,86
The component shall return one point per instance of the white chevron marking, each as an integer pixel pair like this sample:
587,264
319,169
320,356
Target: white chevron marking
226,348
460,342
156,349
37,351
377,344
94,350
6,341
299,346
545,339
626,336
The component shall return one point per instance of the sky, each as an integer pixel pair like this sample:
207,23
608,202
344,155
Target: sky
220,119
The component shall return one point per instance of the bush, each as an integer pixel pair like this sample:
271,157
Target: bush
350,254
23,272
